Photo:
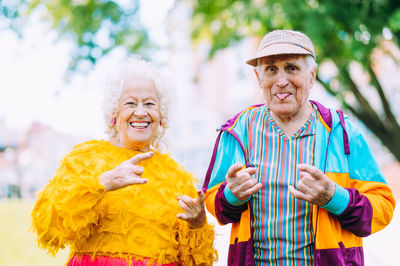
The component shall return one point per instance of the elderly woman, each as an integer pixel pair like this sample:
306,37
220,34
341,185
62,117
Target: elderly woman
121,201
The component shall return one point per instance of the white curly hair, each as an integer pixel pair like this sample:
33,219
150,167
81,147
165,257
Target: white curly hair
114,86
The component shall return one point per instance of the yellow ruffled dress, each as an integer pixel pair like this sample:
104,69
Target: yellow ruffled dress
138,221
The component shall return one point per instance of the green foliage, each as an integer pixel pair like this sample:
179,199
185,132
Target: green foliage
394,22
340,29
9,12
343,32
94,26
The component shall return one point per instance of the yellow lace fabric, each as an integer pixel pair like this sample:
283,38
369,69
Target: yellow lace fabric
137,221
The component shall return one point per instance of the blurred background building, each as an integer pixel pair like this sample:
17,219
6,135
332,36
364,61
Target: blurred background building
28,157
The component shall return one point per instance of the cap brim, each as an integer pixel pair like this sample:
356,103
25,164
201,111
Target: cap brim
277,49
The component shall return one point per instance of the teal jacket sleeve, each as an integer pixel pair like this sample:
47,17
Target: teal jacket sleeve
370,202
229,152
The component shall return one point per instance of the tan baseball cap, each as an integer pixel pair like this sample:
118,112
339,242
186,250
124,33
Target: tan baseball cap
283,42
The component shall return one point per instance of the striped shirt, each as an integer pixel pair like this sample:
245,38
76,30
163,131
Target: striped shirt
282,224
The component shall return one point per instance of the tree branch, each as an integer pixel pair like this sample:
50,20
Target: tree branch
327,87
386,106
364,104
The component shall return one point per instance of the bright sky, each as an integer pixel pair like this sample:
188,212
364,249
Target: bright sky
32,86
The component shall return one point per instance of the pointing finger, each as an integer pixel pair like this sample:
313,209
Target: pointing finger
201,196
141,156
234,169
138,170
249,170
312,170
137,181
295,193
184,205
185,199
182,216
253,190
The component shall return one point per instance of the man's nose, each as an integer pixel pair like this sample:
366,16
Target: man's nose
282,79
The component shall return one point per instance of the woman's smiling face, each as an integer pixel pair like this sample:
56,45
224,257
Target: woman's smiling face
138,114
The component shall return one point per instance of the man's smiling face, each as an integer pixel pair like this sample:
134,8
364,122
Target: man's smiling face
286,81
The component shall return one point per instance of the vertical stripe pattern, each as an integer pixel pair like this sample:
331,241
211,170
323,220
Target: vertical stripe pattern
282,225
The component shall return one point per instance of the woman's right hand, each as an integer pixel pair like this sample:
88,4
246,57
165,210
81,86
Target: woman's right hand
125,174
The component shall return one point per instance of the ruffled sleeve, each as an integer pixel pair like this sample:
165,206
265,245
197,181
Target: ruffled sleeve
66,211
196,245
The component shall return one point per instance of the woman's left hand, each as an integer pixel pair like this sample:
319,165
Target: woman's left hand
194,211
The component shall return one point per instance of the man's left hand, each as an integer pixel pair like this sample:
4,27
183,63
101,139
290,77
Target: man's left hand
194,211
313,186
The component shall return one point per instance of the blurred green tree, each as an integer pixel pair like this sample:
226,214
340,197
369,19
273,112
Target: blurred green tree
344,32
94,26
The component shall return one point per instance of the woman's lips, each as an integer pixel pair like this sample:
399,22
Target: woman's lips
139,125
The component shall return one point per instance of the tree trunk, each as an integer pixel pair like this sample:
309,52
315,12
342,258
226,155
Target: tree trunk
387,130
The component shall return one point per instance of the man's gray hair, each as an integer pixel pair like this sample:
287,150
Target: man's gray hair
136,67
310,62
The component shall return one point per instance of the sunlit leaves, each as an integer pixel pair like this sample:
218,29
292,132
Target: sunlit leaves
9,11
343,32
341,29
94,26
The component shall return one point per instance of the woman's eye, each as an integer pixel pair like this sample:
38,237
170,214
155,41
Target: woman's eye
130,103
149,104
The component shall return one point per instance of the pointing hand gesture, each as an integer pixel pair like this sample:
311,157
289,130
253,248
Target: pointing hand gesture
194,212
313,186
241,181
125,174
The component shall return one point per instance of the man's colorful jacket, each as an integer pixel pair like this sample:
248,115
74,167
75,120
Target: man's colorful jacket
363,203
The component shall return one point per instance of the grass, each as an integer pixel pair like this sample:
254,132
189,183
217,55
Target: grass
18,244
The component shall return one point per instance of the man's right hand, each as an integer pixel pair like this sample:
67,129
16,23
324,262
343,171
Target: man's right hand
125,174
241,181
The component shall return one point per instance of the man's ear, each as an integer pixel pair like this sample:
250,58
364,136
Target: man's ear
258,77
313,76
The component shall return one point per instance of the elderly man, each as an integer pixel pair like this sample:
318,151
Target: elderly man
296,180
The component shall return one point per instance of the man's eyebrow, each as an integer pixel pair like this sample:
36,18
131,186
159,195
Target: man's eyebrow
269,62
291,64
